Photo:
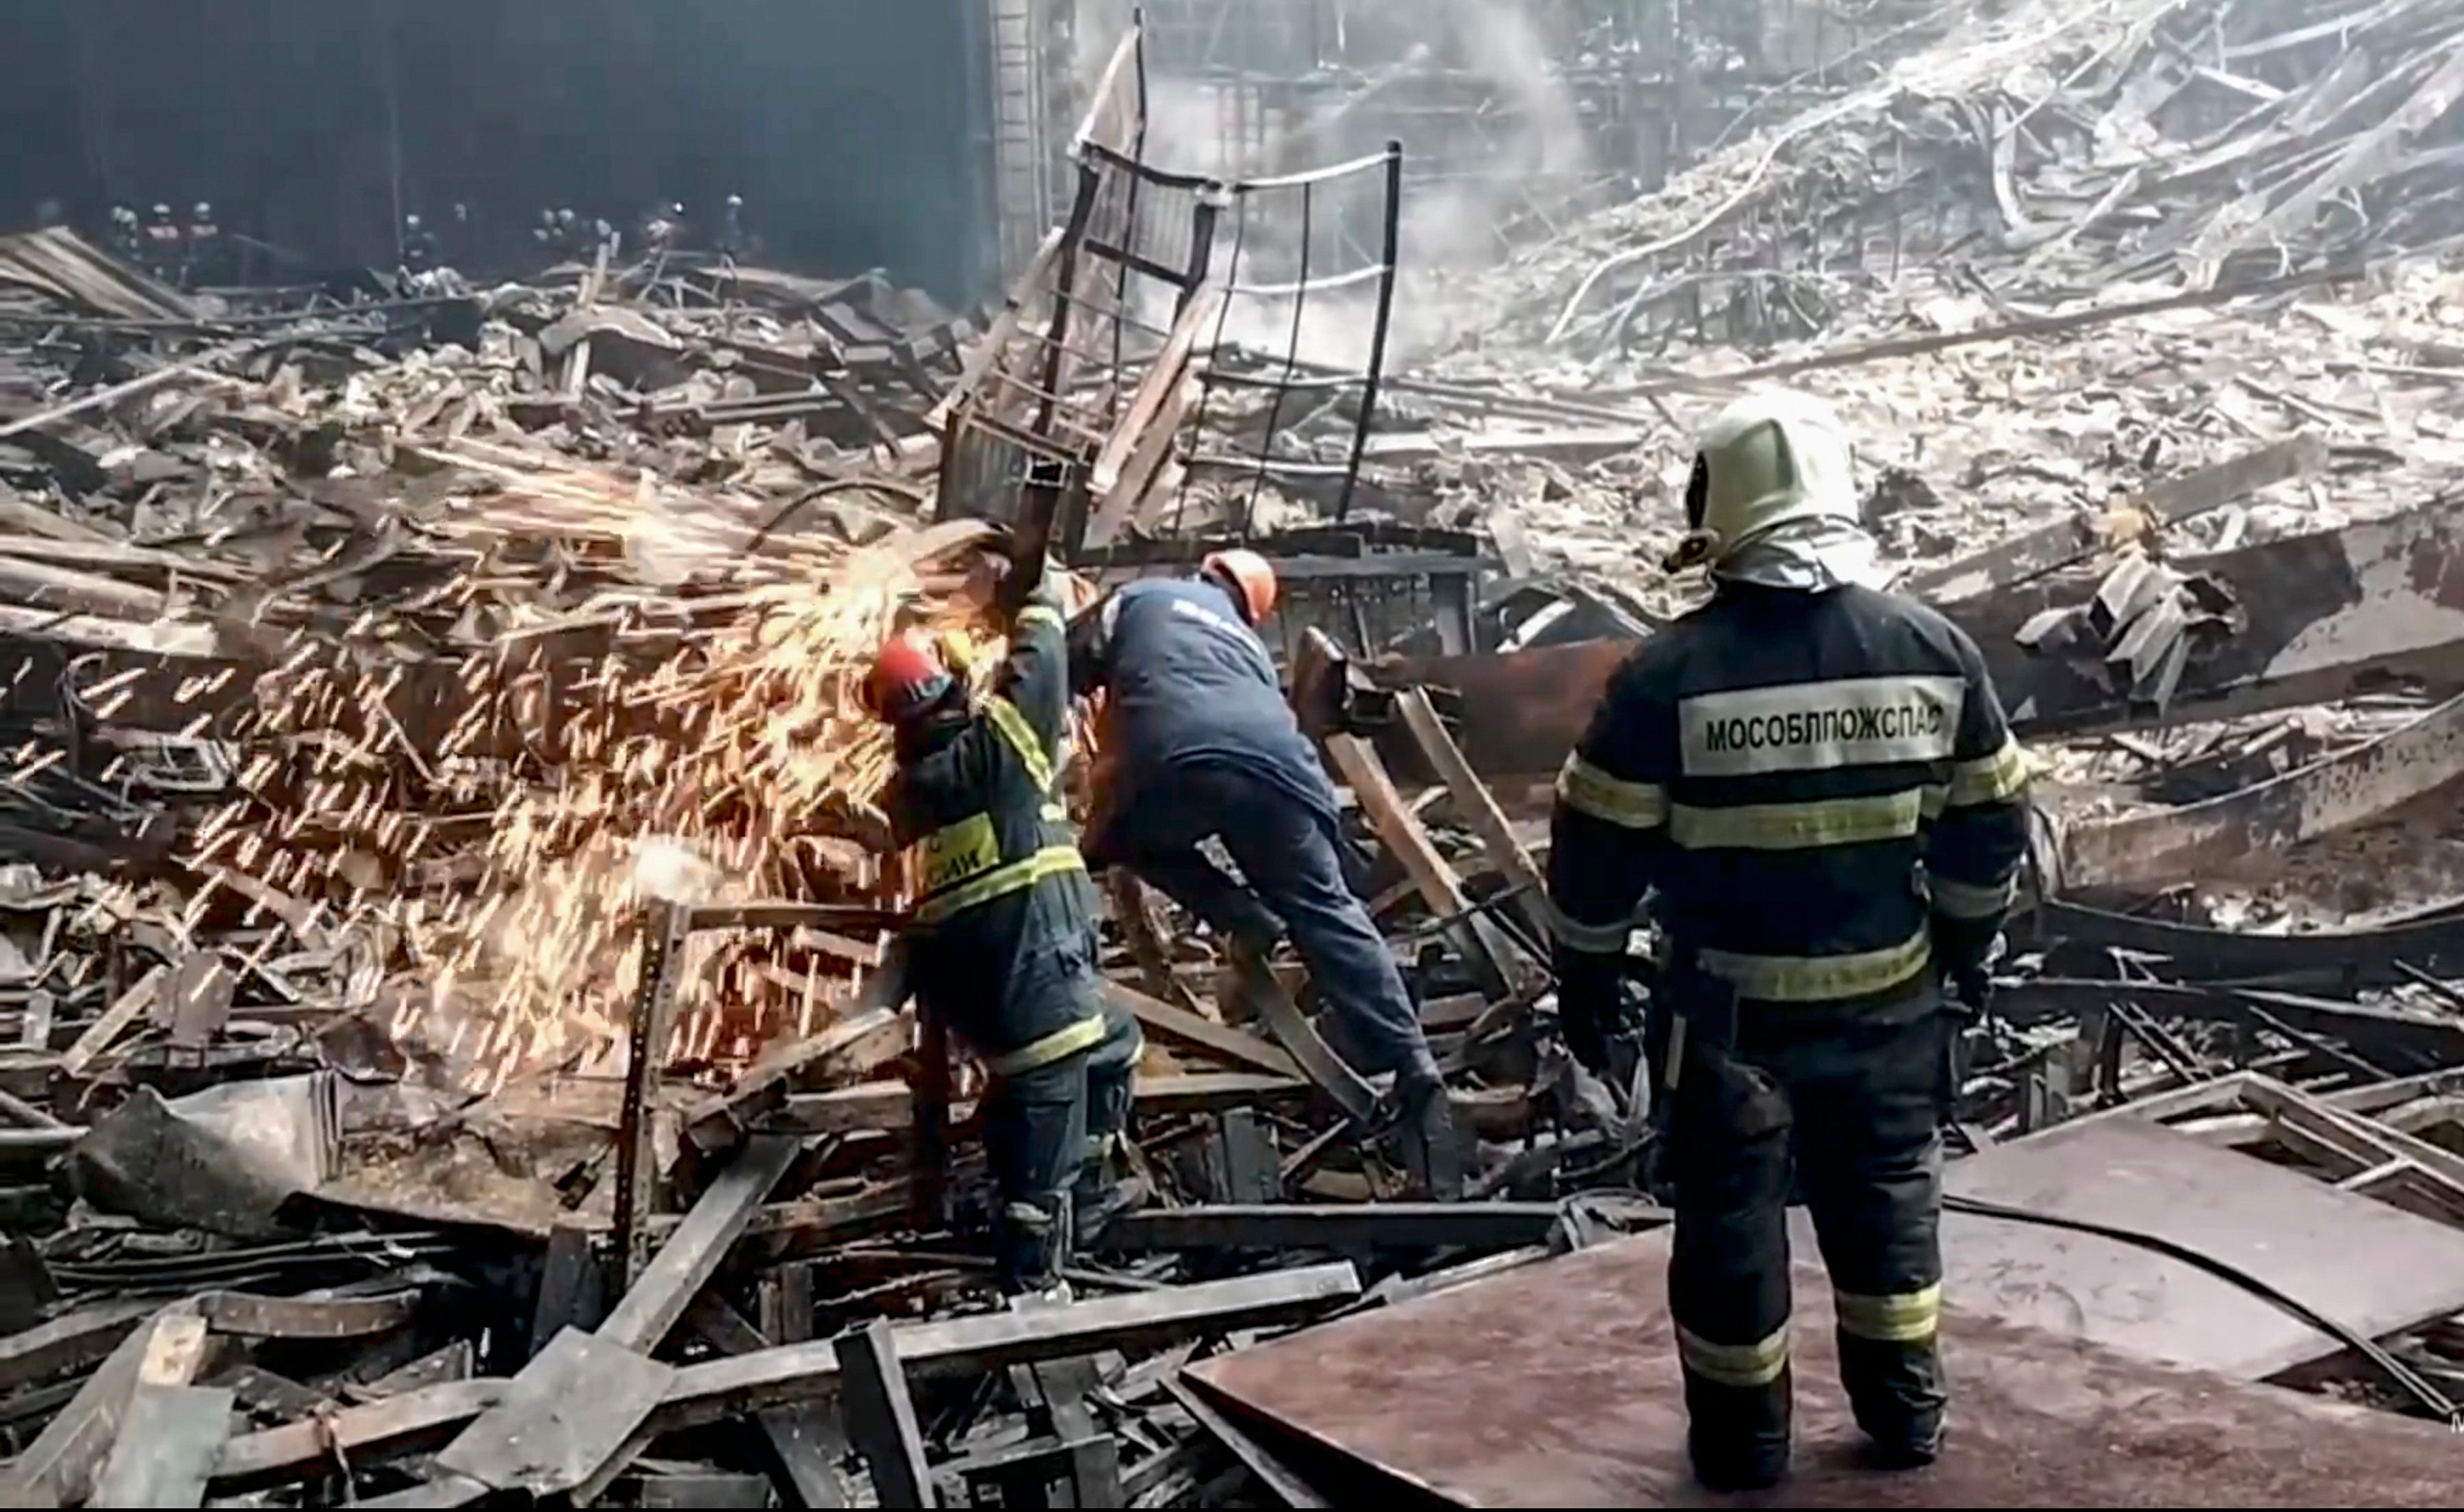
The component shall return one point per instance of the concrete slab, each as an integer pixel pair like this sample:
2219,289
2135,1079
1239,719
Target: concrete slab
1557,1384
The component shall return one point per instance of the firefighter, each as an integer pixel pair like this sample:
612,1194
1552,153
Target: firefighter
163,243
1197,741
205,246
730,229
1813,783
128,239
418,245
1002,940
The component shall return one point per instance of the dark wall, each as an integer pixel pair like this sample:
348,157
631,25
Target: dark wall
851,127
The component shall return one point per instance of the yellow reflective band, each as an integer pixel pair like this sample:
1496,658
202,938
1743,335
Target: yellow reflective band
1020,735
1798,826
1819,978
1591,939
1040,614
1740,1364
1052,861
953,853
1954,899
1907,1317
1997,779
1586,789
1083,1035
1053,814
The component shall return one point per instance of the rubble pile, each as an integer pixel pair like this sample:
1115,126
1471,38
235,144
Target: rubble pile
454,1037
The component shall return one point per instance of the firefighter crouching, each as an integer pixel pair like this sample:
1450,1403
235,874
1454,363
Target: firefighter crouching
1003,938
1813,782
1197,741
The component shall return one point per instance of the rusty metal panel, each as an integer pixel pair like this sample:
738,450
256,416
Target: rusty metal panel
2336,793
2329,615
2375,1267
1557,1384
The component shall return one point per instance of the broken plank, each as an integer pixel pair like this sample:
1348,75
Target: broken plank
114,1021
1329,1071
721,1389
804,1438
58,1468
68,1341
1401,830
1183,1026
167,1447
1477,807
570,1411
880,1417
397,1425
691,1255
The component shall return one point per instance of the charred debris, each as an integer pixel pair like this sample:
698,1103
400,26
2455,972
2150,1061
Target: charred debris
450,1042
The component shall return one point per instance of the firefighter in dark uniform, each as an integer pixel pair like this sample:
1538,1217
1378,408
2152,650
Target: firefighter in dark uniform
1197,741
1002,934
1813,783
165,245
418,245
205,246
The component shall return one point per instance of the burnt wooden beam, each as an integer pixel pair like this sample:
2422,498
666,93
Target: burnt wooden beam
572,1410
891,1105
2345,960
802,1372
668,1286
880,1417
167,1448
58,1469
1180,1026
804,1438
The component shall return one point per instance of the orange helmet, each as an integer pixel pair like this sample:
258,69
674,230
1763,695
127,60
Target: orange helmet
906,679
1247,577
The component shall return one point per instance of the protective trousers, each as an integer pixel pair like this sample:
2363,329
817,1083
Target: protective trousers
1852,1109
1295,881
1041,1128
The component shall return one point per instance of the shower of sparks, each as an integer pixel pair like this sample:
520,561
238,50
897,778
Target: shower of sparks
715,747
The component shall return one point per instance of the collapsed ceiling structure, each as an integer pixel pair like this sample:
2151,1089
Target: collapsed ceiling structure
452,1033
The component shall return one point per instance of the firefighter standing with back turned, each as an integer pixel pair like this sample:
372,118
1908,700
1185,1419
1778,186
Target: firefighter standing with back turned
1813,781
1197,741
1002,944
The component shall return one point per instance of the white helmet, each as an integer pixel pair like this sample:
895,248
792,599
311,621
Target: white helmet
1773,458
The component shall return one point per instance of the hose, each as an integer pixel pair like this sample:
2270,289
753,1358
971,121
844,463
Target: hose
2404,1377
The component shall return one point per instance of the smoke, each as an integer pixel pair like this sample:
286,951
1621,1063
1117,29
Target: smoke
1515,132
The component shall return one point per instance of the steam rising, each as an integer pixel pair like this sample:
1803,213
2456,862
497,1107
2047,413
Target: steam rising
1465,173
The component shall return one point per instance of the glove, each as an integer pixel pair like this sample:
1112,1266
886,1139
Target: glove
1592,1014
1963,953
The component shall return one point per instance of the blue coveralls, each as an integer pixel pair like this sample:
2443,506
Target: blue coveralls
1199,741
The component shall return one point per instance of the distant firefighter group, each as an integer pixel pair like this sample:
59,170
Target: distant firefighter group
193,252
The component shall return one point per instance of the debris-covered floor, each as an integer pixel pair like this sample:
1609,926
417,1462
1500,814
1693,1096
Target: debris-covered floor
451,1042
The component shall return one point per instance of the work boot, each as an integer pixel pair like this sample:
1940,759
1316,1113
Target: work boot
1030,1245
1432,1150
1912,1450
1100,1195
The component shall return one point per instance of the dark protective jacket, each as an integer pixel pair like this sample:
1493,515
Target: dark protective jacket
1188,683
1003,935
1819,789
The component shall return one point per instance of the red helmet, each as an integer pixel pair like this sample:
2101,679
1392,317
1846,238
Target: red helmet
1248,577
906,679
